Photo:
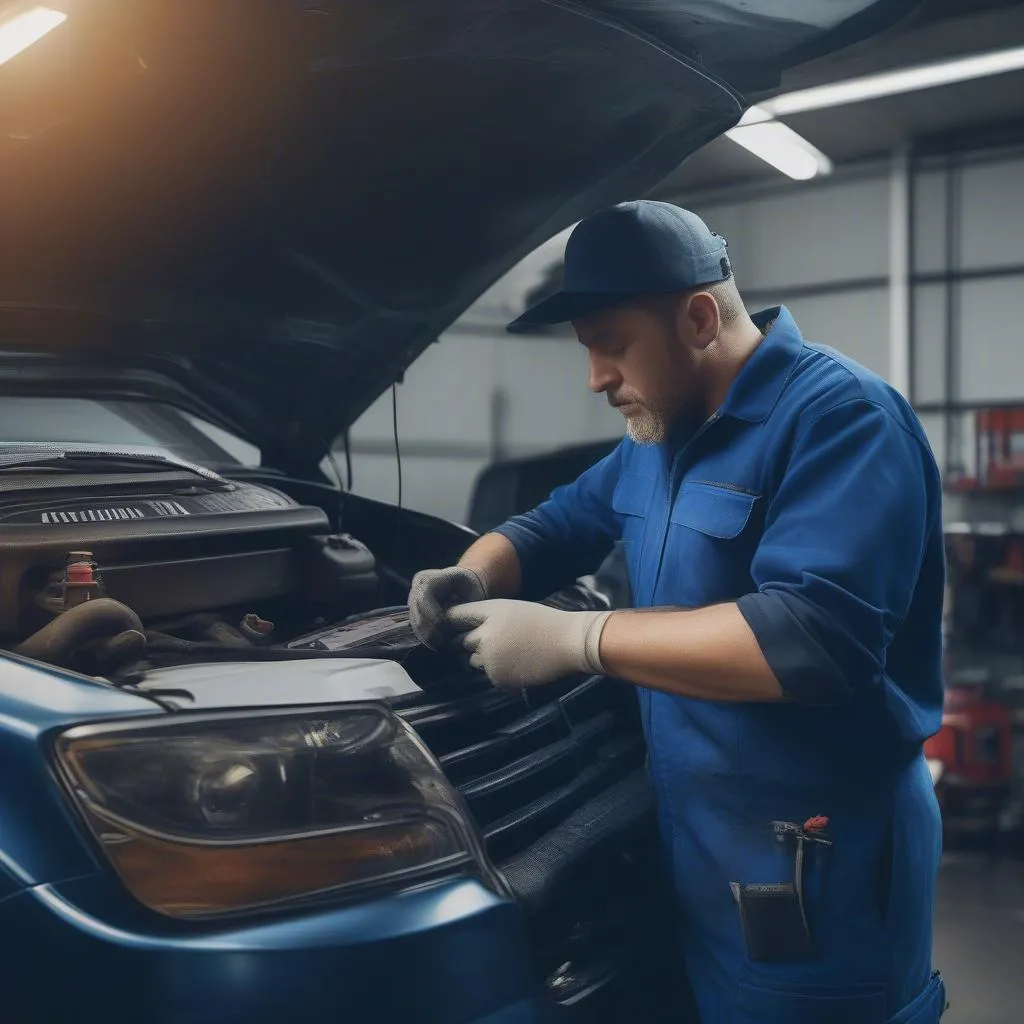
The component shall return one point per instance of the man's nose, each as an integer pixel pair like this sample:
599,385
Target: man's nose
603,376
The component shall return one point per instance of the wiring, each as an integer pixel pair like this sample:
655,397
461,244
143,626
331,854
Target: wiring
397,546
343,484
347,441
398,447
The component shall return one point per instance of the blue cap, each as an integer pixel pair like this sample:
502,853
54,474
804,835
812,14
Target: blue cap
628,251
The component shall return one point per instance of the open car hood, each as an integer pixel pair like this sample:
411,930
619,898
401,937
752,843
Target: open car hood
262,211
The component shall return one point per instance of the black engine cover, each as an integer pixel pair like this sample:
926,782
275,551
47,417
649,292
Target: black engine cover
167,545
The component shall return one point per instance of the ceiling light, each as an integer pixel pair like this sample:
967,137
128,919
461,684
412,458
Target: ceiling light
891,83
778,145
754,115
790,153
20,31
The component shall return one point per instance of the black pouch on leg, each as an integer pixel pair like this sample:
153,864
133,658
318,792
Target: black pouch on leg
774,925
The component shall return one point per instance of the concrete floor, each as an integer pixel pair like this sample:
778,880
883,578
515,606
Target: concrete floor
979,938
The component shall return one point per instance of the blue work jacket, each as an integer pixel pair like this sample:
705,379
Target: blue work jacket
811,499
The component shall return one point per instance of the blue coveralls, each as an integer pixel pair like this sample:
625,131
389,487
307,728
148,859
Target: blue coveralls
810,498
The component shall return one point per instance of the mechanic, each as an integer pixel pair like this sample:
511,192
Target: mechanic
779,507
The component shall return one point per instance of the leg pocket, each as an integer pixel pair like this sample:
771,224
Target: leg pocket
774,925
762,1003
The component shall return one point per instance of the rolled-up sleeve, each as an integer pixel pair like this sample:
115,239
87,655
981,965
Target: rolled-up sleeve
842,548
569,534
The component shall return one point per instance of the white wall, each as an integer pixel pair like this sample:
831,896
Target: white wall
820,248
811,236
787,243
447,424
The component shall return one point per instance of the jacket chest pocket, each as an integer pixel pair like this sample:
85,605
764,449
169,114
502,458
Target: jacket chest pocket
712,538
631,503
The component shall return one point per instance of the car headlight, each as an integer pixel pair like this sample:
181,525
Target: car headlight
202,815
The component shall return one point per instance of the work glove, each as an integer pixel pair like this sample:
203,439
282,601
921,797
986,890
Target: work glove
433,592
518,643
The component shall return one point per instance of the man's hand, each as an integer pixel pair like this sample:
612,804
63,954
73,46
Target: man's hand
433,592
518,643
708,653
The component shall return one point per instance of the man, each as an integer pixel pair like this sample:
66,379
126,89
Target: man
780,512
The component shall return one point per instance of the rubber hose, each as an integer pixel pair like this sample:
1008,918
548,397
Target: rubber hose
158,640
224,633
119,650
57,642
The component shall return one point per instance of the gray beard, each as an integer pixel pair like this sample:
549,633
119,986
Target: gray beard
647,428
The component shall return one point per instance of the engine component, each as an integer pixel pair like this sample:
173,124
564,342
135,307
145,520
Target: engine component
80,581
86,558
386,629
58,642
80,584
84,505
124,649
255,629
341,571
210,544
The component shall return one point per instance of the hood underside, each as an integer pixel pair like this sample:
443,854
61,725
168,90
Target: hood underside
262,211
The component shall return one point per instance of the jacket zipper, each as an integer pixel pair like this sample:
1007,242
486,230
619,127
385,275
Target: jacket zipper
675,482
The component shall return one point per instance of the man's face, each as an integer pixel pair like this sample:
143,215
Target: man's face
641,362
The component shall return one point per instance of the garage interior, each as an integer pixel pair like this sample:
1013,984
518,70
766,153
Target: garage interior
905,251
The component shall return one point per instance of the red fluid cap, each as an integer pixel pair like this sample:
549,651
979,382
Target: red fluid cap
80,572
816,824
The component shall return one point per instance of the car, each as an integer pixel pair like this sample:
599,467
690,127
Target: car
232,785
509,487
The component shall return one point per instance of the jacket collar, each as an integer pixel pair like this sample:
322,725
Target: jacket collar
761,381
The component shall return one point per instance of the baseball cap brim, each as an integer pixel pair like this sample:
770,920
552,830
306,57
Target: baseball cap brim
562,307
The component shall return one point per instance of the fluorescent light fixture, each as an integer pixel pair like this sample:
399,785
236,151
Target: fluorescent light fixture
777,144
759,132
21,30
755,115
892,83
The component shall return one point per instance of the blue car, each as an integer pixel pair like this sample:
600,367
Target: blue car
232,786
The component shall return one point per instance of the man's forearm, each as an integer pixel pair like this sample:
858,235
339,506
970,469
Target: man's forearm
493,558
708,653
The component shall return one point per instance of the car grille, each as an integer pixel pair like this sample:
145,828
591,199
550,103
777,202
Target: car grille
526,761
555,779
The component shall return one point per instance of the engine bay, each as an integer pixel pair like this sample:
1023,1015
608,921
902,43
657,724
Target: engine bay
116,566
115,574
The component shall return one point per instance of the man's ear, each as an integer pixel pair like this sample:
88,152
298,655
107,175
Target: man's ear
699,319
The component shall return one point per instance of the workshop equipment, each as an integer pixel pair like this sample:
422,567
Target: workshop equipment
970,761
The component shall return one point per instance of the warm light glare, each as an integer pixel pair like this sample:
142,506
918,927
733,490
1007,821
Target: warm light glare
780,146
21,31
891,83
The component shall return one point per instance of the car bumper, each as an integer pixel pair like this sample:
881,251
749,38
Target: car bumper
453,953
